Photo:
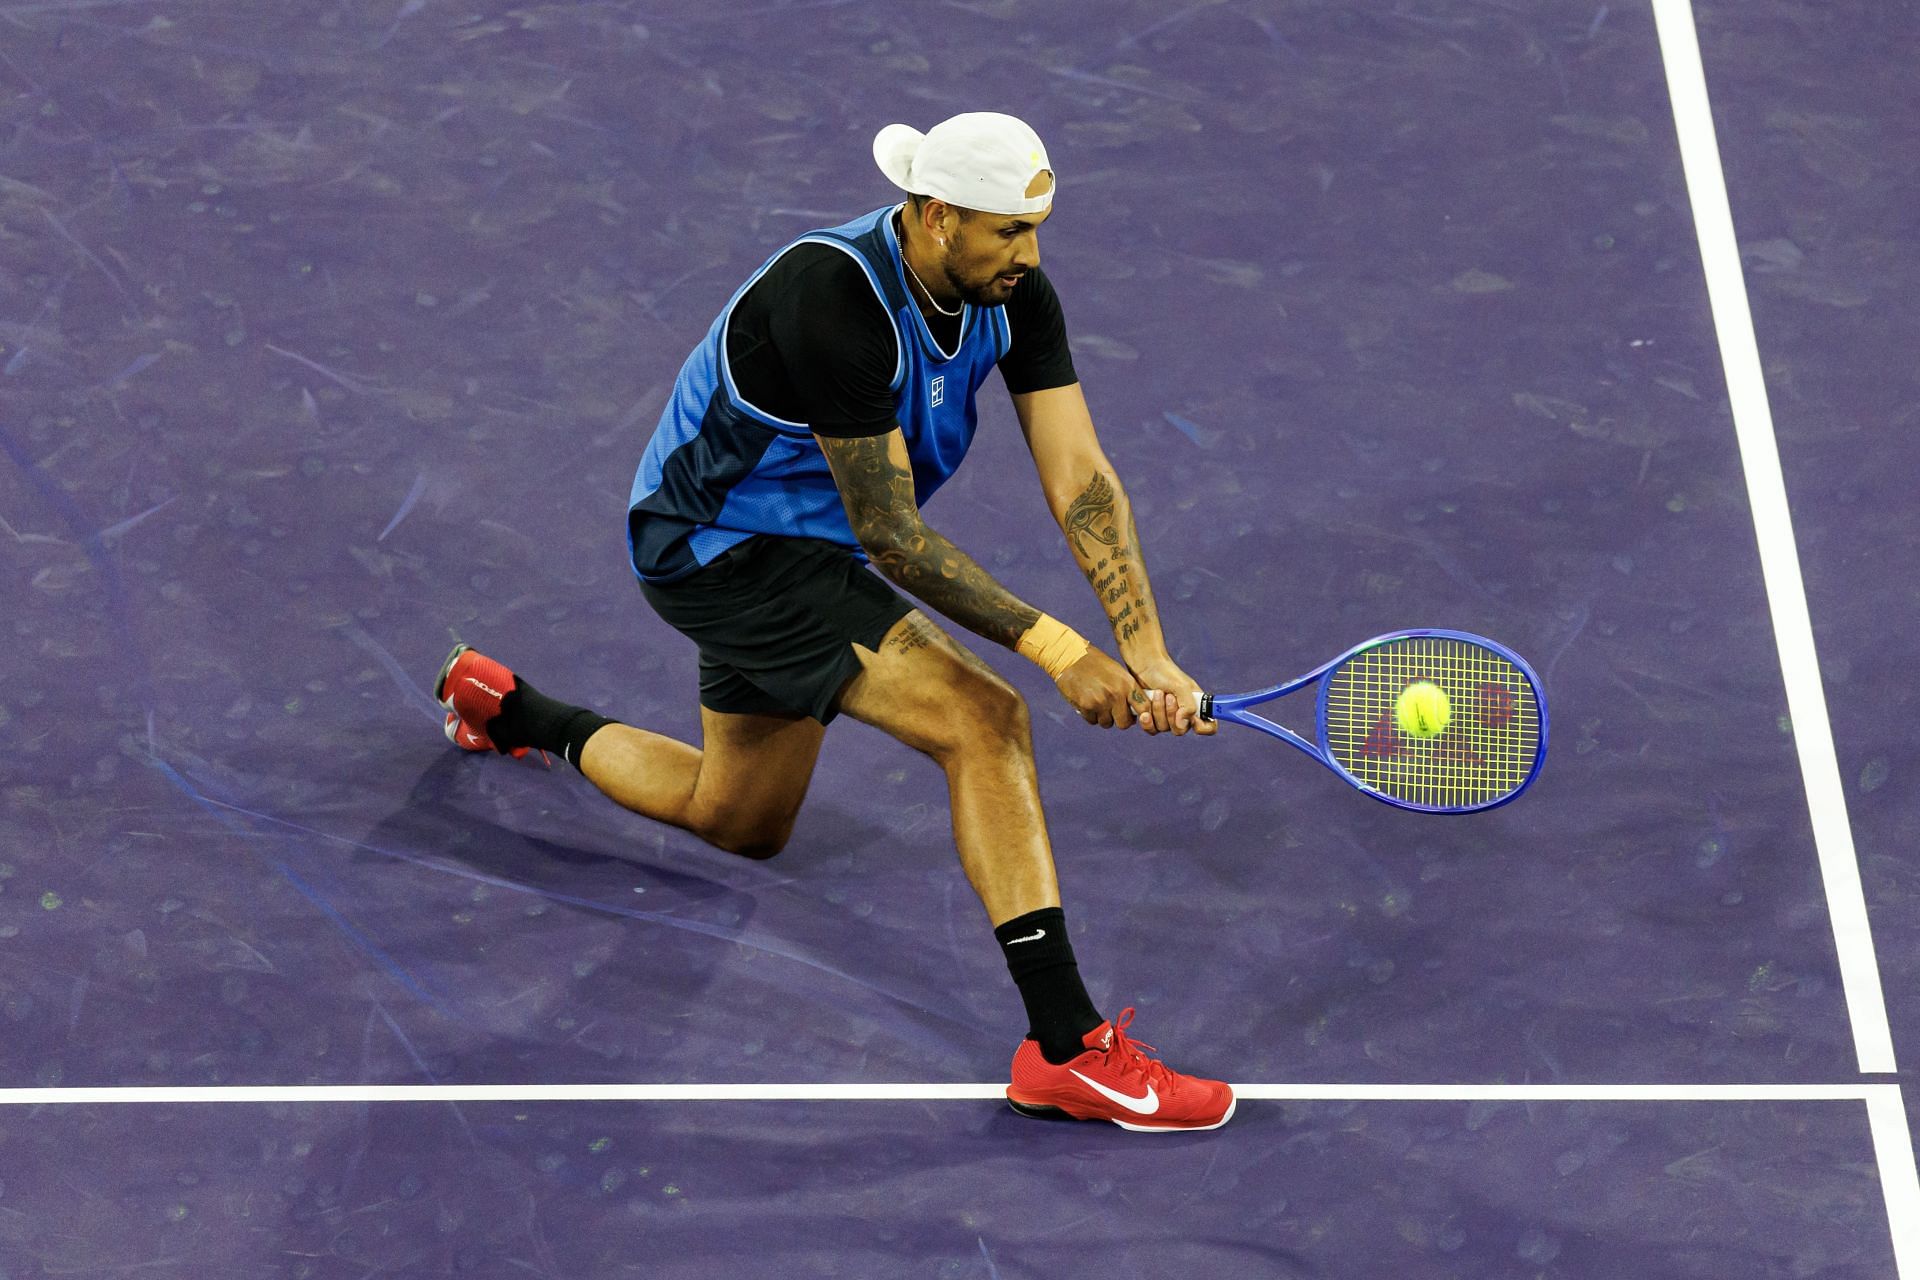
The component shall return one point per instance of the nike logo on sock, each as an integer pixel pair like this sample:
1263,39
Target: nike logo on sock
1144,1105
1035,936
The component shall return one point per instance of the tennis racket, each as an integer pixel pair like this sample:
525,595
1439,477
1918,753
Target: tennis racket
1490,751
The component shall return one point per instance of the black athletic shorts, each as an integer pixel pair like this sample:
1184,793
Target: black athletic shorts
776,620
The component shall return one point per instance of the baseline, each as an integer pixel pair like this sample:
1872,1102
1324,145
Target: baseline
924,1092
1886,1111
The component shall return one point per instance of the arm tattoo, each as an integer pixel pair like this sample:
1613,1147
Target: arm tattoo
878,495
1090,518
1092,523
1125,627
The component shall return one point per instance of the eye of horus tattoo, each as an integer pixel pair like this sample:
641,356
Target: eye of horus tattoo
1091,517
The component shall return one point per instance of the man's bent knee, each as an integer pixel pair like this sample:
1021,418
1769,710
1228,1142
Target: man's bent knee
990,715
750,835
758,845
1005,713
757,849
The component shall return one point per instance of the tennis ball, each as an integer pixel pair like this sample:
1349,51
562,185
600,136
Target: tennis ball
1422,710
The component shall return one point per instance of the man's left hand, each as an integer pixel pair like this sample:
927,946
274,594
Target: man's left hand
1170,707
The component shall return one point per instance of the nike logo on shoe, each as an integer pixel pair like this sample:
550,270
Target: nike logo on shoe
1145,1105
1035,936
473,739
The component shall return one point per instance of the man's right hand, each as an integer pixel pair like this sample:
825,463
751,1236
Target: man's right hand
1102,691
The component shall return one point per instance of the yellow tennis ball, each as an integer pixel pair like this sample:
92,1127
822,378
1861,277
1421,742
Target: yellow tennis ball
1422,710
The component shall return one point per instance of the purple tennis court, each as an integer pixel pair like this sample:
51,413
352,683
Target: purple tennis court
331,335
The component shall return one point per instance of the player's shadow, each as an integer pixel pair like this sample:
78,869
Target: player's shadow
448,818
465,819
599,859
461,817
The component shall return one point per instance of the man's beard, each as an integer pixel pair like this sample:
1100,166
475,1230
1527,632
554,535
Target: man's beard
983,295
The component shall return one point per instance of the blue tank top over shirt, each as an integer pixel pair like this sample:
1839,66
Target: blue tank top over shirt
719,470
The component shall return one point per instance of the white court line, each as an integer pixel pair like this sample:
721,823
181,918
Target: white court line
287,1093
1886,1115
1792,623
1773,525
1899,1180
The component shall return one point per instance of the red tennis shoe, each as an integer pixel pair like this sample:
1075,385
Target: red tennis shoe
1113,1080
470,686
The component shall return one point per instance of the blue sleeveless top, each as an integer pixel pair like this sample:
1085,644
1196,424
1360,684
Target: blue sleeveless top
719,470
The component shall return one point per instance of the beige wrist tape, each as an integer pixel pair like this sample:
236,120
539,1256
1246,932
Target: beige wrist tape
1053,646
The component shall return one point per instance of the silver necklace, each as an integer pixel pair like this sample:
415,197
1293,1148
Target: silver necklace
928,292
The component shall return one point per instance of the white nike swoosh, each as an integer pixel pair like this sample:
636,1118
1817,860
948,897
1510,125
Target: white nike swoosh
1143,1106
1035,936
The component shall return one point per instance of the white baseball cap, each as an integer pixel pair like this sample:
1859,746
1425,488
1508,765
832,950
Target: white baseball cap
978,160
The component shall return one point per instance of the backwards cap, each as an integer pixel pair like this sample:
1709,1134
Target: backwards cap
979,160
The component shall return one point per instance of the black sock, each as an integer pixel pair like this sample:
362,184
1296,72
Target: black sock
529,718
1059,1013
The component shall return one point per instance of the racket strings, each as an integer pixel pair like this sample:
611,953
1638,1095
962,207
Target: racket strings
1491,740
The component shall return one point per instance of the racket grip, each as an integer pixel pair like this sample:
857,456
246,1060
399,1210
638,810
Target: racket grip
1203,704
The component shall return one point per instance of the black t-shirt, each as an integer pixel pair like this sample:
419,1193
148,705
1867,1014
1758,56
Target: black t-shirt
811,342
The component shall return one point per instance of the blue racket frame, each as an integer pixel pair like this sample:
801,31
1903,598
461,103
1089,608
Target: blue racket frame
1233,707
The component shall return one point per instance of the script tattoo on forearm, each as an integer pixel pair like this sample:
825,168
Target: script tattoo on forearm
878,496
1112,563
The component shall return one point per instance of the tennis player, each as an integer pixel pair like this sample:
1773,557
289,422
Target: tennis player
829,400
